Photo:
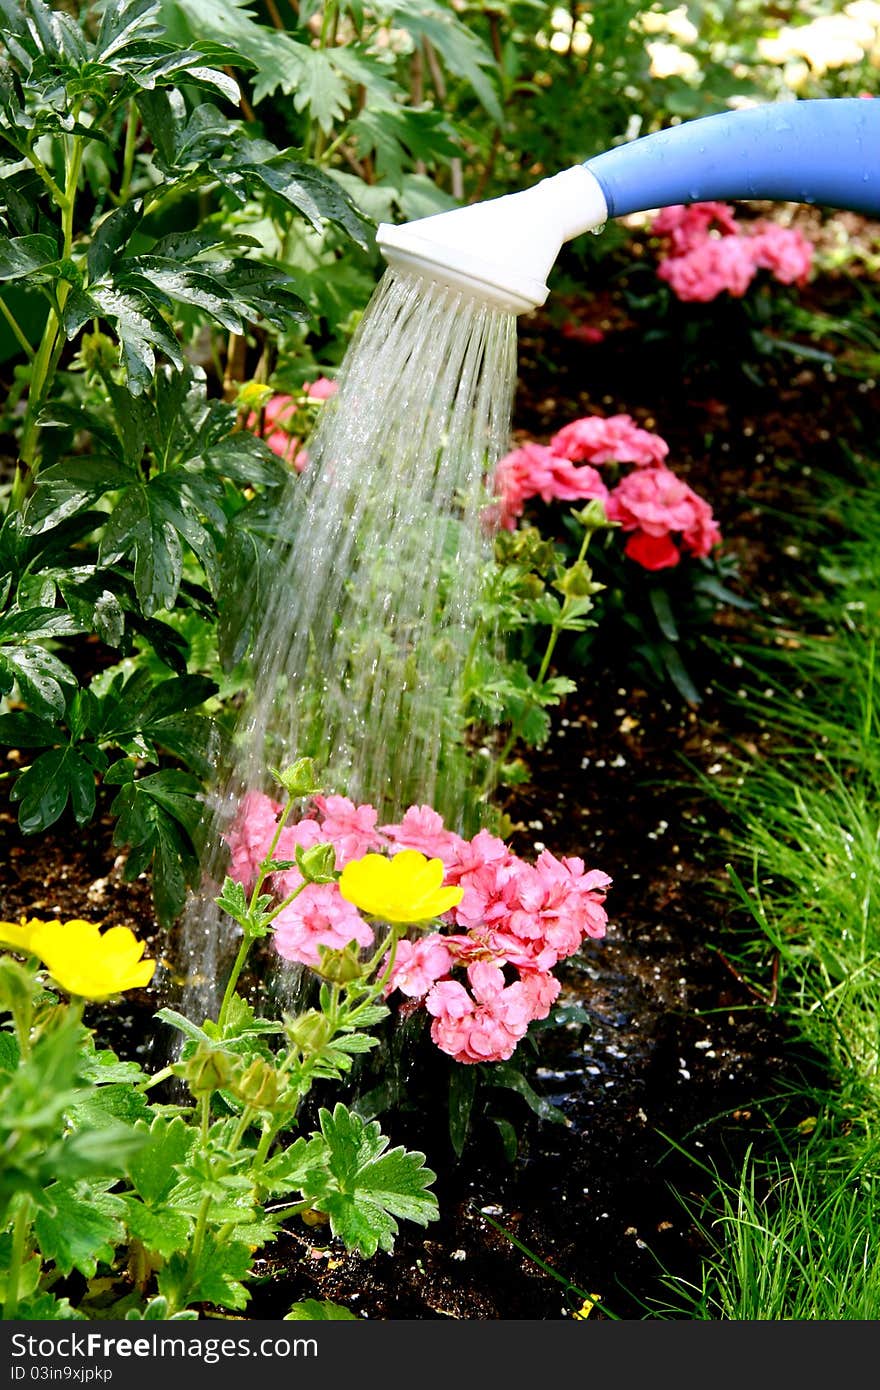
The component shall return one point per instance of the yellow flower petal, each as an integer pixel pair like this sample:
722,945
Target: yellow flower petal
20,936
82,960
406,888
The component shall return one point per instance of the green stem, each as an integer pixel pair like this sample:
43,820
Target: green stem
16,329
315,138
131,131
57,195
46,359
17,1257
154,1080
247,941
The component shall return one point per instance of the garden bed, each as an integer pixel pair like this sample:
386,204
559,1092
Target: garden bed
678,1050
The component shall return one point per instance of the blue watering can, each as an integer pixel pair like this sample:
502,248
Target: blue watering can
502,250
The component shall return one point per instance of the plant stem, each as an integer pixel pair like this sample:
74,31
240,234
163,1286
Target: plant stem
16,1258
46,359
131,131
16,329
247,941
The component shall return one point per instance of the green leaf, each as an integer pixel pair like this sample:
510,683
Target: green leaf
45,1307
503,1074
107,1105
152,1169
163,1232
21,256
111,237
462,50
677,672
367,1187
20,730
319,1310
662,609
216,1278
157,816
462,1087
306,189
44,789
83,1227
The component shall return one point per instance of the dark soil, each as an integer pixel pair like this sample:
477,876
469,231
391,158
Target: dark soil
668,1076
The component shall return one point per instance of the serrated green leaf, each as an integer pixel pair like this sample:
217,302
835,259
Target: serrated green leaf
368,1187
216,1278
106,1105
83,1228
315,1310
163,1232
152,1170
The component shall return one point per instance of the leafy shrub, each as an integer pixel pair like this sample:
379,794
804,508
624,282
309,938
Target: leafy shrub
137,497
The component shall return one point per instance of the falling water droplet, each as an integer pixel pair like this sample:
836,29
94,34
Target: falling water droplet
368,625
597,231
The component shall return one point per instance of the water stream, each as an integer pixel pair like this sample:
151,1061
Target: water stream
361,650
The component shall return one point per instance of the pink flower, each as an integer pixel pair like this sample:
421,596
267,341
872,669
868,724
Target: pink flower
582,332
319,916
710,268
485,1028
608,439
521,474
277,415
419,964
687,225
541,991
350,829
321,389
657,503
784,251
422,829
555,904
572,484
250,835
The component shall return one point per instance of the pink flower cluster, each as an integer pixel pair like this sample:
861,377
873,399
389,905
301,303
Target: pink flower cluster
662,516
277,416
709,253
516,921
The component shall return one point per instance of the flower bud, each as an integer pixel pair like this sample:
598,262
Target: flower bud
298,779
253,396
207,1070
592,517
577,581
339,967
257,1086
98,352
309,1032
317,863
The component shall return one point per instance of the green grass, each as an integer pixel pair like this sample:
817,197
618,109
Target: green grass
798,1235
797,1238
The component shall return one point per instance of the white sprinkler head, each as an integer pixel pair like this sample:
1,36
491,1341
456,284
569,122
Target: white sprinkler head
500,251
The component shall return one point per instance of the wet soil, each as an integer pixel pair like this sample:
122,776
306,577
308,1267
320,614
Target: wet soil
665,1073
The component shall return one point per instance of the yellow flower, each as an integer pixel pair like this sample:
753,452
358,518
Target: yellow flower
406,888
20,936
85,961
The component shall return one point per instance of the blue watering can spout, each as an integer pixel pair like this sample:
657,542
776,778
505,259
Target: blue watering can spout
825,152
